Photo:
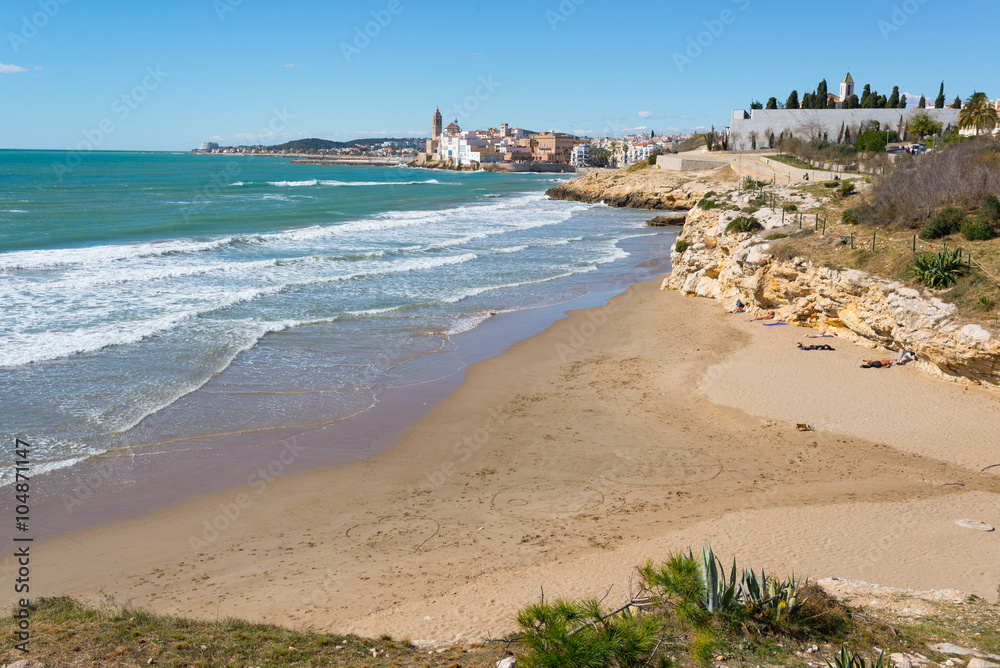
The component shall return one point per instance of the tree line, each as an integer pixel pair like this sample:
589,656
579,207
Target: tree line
869,99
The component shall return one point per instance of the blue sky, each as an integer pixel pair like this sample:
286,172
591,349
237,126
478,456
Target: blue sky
168,75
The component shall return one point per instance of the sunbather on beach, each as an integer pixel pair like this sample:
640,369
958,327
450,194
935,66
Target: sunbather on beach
763,315
740,307
822,346
883,363
822,335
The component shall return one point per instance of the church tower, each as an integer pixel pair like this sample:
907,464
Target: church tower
846,88
436,129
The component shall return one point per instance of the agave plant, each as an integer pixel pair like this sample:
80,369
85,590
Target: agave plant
846,659
939,270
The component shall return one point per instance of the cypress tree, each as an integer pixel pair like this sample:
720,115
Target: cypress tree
840,135
893,102
939,102
957,104
865,94
902,102
923,103
821,95
793,100
772,103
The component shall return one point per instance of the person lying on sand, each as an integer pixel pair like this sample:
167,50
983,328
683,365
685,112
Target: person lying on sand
822,346
821,335
740,307
884,363
763,315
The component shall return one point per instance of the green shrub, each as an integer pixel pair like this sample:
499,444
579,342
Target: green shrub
681,246
572,633
707,203
790,207
776,235
945,222
938,270
711,193
989,209
831,184
858,214
873,141
987,303
846,189
743,224
976,229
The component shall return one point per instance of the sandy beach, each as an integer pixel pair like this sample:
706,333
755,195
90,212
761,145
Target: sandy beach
622,432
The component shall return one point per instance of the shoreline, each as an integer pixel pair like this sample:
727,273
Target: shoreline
135,481
565,461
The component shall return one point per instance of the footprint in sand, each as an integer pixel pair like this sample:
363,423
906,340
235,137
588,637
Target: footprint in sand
548,499
662,467
408,533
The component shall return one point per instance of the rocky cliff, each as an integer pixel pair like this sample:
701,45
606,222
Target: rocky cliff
641,189
859,306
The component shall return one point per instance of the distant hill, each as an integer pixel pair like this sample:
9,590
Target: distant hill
316,144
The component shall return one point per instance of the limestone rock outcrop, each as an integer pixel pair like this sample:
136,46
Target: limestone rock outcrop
642,189
859,306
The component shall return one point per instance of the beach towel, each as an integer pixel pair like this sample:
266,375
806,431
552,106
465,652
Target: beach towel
774,324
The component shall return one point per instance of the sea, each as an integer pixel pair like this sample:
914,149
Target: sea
157,299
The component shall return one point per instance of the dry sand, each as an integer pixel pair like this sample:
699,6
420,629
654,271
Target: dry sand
647,425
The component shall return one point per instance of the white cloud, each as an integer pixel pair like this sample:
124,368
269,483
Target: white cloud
11,69
291,65
644,114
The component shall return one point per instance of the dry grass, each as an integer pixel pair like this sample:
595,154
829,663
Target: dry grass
68,633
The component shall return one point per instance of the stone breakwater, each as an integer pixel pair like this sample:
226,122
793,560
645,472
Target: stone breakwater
643,189
861,307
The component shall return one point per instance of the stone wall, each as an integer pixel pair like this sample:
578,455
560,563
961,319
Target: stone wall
861,307
809,123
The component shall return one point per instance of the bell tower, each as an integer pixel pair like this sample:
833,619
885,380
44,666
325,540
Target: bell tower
436,124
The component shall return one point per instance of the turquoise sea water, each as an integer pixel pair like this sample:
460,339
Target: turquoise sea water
150,297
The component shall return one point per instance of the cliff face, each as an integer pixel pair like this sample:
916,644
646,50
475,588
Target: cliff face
860,307
642,189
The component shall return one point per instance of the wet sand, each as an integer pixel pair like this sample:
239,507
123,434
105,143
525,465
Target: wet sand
650,424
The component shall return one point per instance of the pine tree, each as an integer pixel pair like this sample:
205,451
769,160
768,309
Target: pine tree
793,100
756,105
772,103
957,104
939,102
893,102
923,103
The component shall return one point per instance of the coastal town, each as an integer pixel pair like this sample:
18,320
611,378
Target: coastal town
821,116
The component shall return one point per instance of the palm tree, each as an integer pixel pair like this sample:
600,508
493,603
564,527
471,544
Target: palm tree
978,113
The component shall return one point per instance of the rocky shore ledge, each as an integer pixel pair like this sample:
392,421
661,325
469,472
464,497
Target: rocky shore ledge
861,307
641,189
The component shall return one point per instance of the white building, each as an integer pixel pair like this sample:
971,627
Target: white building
465,147
580,156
